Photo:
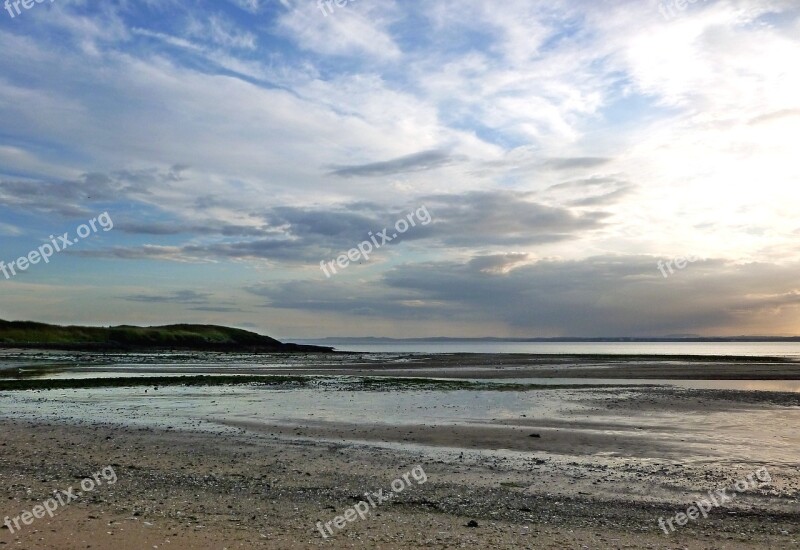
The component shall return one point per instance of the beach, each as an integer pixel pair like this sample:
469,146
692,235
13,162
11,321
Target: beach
439,274
575,465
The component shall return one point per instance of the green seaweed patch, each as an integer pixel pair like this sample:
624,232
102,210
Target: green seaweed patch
389,384
514,485
147,381
287,382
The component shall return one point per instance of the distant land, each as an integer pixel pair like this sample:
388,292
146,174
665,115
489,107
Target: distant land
31,335
689,338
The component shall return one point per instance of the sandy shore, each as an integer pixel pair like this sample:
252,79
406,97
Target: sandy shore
195,490
258,467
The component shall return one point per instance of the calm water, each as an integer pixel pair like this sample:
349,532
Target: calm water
747,434
771,349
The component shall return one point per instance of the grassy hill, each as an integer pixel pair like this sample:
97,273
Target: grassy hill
24,334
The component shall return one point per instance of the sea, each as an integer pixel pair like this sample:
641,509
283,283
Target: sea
744,349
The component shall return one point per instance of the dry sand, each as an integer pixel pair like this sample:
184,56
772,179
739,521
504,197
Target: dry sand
194,490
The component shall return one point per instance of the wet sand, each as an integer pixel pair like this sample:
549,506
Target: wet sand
489,366
448,366
258,467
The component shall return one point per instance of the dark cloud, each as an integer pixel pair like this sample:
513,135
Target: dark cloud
586,184
503,218
294,234
72,198
572,163
603,199
176,297
212,309
154,228
595,191
348,223
202,301
527,162
177,228
338,297
144,252
418,162
268,249
600,296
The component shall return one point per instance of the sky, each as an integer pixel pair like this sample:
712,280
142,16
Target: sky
540,168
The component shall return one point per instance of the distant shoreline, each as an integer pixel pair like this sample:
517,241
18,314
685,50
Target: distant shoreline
562,340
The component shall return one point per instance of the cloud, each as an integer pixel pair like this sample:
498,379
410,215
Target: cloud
776,115
356,29
549,141
598,296
200,301
250,6
504,218
9,230
177,228
176,297
143,252
500,263
336,297
308,235
594,191
72,198
423,161
575,162
215,309
223,33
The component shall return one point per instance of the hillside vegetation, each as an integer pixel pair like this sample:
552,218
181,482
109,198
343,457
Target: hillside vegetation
184,337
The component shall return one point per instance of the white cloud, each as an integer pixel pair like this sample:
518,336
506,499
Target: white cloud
360,28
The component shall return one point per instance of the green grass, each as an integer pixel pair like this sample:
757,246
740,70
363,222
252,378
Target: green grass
148,381
29,332
195,337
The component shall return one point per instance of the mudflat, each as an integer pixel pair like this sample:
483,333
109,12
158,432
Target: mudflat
270,465
31,363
